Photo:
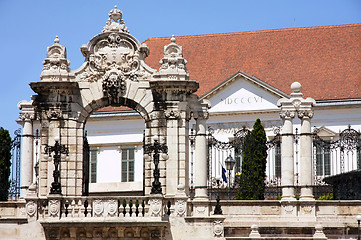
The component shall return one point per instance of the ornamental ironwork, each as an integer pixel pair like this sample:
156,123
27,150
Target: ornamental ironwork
156,148
59,151
14,190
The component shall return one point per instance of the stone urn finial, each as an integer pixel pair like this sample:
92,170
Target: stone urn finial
115,14
56,40
117,25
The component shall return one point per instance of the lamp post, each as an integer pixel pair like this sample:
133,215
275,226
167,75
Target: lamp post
156,148
59,152
229,166
217,208
358,218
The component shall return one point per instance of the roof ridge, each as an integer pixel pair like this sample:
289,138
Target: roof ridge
258,31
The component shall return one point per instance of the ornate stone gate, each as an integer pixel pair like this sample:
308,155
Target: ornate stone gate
114,73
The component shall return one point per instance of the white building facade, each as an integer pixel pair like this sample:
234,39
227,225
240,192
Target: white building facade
122,151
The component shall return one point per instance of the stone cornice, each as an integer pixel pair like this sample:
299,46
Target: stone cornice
45,87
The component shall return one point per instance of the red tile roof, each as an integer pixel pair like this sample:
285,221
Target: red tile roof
325,60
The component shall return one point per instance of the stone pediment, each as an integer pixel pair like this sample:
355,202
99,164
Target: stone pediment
325,133
242,92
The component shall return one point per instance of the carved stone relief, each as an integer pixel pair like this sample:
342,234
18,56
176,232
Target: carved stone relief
31,208
155,207
218,228
180,207
54,208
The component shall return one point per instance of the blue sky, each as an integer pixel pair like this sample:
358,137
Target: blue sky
28,27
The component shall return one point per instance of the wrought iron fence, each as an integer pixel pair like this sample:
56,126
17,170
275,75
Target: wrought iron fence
14,190
344,155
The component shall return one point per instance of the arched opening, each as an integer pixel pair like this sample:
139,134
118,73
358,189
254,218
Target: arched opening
113,150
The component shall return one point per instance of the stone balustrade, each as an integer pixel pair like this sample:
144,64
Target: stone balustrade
56,207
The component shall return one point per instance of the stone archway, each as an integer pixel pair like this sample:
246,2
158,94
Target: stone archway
114,73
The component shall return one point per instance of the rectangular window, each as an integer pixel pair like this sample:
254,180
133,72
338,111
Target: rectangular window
278,160
238,157
323,161
128,164
93,154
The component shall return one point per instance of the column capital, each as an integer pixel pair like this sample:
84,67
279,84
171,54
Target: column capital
305,113
287,114
172,114
27,111
26,116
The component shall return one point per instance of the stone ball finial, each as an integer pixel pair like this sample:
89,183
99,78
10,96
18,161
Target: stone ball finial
296,87
56,40
172,39
180,187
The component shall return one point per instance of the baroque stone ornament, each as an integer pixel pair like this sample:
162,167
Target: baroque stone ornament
56,65
54,208
172,114
155,207
54,114
113,86
218,228
115,22
114,51
173,61
112,207
306,210
305,113
25,116
31,208
180,207
98,208
287,114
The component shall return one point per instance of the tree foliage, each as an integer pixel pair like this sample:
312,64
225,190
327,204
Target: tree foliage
5,163
253,174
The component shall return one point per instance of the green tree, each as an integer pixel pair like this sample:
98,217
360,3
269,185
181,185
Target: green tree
5,163
253,174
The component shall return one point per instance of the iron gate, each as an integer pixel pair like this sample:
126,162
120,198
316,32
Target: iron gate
14,190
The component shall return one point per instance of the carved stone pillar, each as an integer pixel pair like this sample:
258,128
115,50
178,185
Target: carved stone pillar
303,107
287,161
173,145
306,155
200,172
26,118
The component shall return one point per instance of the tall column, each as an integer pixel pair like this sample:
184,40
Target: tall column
200,166
306,155
287,159
303,107
26,117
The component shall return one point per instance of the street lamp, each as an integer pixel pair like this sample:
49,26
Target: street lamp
358,218
217,208
229,166
156,148
60,151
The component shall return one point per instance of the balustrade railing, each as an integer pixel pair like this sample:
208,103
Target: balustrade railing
97,207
